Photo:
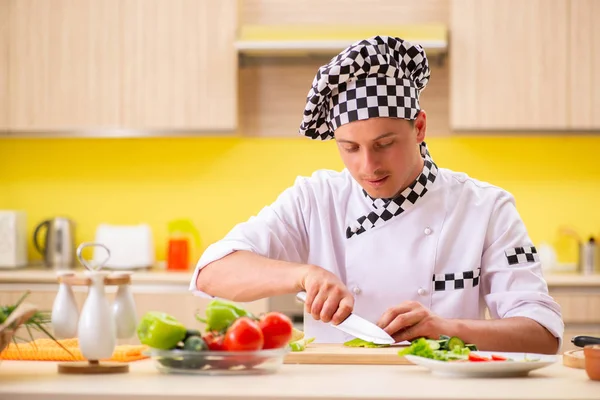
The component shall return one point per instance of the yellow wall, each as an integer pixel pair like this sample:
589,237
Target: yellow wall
218,182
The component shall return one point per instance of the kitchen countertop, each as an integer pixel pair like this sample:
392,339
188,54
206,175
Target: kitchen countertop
142,276
162,276
30,380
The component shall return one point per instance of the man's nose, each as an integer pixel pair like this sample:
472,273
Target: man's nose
370,162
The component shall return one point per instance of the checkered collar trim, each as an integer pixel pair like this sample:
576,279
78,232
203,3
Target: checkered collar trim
386,209
377,77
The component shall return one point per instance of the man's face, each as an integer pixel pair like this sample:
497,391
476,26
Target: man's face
382,154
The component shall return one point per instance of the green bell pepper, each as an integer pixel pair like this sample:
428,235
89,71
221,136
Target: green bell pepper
160,330
220,314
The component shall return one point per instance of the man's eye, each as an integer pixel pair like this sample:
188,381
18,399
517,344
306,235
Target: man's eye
385,144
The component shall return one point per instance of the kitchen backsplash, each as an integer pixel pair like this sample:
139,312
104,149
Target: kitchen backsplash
219,181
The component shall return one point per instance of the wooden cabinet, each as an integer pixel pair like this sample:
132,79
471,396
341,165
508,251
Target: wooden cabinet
509,64
64,59
179,64
3,65
90,65
584,64
580,308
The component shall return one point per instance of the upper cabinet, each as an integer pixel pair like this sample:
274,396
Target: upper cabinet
524,65
179,64
64,61
509,64
133,65
3,65
584,64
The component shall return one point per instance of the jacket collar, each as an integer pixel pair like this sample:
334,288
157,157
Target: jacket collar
386,209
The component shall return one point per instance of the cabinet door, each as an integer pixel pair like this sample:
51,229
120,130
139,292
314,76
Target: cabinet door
585,64
64,64
509,64
4,4
179,64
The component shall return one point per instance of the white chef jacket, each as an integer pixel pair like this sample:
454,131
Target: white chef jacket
461,247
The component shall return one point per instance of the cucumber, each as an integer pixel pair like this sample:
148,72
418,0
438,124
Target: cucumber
195,343
191,332
433,344
443,344
444,337
471,347
454,342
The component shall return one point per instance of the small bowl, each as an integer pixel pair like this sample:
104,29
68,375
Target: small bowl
218,362
592,361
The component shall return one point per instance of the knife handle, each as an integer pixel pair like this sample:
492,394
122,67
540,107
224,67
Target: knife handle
301,296
581,341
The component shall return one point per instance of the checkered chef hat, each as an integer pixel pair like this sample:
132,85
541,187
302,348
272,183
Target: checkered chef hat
378,77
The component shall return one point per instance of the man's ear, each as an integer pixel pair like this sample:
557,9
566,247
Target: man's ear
421,125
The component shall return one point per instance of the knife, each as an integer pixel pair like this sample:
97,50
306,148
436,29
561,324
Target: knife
359,327
581,341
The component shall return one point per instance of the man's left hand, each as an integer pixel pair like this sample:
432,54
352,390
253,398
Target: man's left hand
411,320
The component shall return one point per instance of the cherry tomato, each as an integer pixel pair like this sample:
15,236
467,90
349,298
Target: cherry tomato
277,330
243,335
497,357
475,357
214,341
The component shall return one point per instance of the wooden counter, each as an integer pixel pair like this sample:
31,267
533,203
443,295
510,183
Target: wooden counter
164,277
23,380
144,276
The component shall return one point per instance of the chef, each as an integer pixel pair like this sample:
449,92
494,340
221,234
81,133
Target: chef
418,249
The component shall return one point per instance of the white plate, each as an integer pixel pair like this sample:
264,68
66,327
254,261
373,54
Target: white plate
485,369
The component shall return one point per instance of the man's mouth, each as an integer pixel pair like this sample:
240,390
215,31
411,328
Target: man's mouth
377,182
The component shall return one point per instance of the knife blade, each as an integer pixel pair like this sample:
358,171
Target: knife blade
359,327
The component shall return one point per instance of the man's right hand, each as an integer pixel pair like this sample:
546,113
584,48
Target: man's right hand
327,298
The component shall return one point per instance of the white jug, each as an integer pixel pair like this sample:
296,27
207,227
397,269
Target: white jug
96,329
65,314
123,310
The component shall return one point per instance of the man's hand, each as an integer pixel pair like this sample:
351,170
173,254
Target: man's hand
411,320
327,298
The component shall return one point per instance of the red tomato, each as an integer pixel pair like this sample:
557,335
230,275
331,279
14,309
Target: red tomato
475,357
277,330
243,335
497,357
214,341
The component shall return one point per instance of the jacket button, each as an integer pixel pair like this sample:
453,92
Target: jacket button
422,292
427,231
356,290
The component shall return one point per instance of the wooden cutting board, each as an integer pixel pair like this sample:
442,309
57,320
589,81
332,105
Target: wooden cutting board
322,353
574,359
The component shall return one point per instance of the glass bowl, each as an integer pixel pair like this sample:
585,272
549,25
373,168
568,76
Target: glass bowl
218,362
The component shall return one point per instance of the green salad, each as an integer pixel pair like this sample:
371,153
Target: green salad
445,349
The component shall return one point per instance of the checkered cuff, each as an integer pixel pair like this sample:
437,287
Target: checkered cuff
521,255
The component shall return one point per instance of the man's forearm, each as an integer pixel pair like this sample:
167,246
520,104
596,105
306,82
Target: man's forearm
246,276
517,334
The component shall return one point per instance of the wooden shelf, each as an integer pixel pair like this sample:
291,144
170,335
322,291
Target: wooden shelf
263,40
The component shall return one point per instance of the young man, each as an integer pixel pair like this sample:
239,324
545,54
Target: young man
417,249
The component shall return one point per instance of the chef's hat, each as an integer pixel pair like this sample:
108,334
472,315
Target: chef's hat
378,77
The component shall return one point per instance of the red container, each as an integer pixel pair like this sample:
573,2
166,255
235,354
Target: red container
178,254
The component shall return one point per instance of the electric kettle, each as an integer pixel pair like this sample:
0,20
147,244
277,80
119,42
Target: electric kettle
58,246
